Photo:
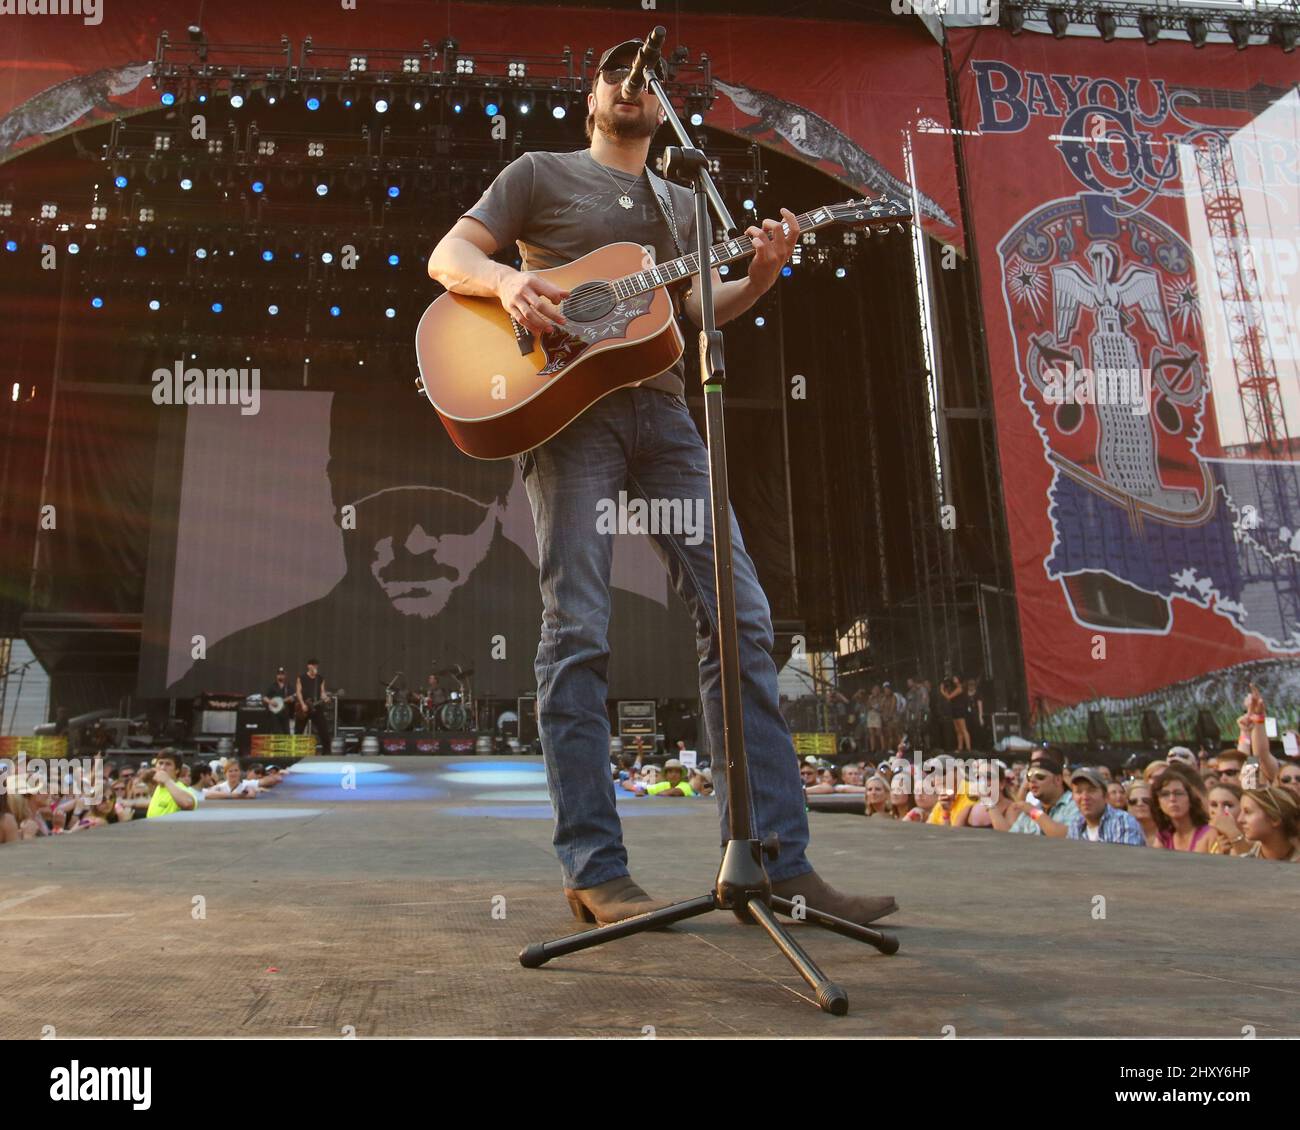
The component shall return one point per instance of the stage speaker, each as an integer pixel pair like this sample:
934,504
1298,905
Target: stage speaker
1006,724
1208,733
1153,730
528,719
1098,727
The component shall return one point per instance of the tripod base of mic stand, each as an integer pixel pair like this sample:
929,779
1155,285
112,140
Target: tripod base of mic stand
743,888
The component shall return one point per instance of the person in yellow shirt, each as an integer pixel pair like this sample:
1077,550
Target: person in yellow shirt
674,782
169,795
954,793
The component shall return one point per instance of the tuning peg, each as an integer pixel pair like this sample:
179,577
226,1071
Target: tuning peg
898,228
419,386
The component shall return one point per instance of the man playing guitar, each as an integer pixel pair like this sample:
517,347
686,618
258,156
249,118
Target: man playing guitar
313,704
557,207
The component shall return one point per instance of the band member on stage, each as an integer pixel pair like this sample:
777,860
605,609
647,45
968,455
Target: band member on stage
313,702
280,689
433,693
557,207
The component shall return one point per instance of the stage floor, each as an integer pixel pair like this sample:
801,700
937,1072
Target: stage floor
335,904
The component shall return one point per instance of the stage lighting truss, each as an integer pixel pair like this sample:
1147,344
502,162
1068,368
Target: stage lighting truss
1277,23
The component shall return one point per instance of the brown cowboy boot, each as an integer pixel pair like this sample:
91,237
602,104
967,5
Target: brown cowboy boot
818,894
611,902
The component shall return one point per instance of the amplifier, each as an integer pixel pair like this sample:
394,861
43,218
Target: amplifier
636,717
528,719
1005,726
217,722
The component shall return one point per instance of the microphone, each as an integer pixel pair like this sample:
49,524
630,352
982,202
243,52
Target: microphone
647,58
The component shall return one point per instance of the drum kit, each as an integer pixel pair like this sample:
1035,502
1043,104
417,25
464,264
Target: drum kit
447,711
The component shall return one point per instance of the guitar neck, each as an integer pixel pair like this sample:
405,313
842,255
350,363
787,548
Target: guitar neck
687,266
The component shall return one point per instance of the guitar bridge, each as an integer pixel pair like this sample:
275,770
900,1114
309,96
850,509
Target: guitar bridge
523,338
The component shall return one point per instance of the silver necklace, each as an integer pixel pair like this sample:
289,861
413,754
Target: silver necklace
624,201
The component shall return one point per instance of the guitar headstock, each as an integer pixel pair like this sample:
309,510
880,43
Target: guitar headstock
883,213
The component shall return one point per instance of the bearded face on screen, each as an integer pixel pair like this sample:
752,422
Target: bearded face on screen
425,543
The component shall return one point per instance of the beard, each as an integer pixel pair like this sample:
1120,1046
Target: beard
627,127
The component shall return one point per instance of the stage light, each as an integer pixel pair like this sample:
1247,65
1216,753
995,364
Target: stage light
747,204
411,65
1284,36
203,91
840,272
464,65
186,184
1058,21
273,309
97,302
394,192
381,100
416,98
516,70
760,321
491,109
1196,30
271,92
11,245
154,304
141,251
49,211
1149,26
217,307
724,270
238,90
258,187
697,119
1106,25
335,311
393,260
119,181
787,270
314,98
168,97
322,189
558,112
457,107
268,255
345,95
74,248
389,312
1015,19
200,253
327,257
523,104
357,64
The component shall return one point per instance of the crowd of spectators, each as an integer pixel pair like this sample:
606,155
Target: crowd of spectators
84,800
1180,802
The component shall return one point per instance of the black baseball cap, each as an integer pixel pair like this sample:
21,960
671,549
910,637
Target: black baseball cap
624,55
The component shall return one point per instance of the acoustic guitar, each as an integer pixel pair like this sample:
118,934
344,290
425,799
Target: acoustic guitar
500,391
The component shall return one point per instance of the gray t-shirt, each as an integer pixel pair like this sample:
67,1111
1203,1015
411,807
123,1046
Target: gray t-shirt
557,207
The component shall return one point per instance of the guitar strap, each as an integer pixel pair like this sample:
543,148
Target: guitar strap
664,199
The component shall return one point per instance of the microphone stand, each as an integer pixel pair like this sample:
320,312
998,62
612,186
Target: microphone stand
742,885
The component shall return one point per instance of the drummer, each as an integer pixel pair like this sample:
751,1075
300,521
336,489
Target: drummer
434,695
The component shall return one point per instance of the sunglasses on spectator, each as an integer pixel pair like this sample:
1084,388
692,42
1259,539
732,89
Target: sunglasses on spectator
1293,779
1039,775
1229,772
1172,794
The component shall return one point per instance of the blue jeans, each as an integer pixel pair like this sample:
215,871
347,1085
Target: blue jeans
645,442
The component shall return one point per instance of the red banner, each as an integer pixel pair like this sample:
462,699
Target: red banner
840,97
1136,211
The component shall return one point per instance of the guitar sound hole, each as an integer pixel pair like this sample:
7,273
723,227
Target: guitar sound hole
589,302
